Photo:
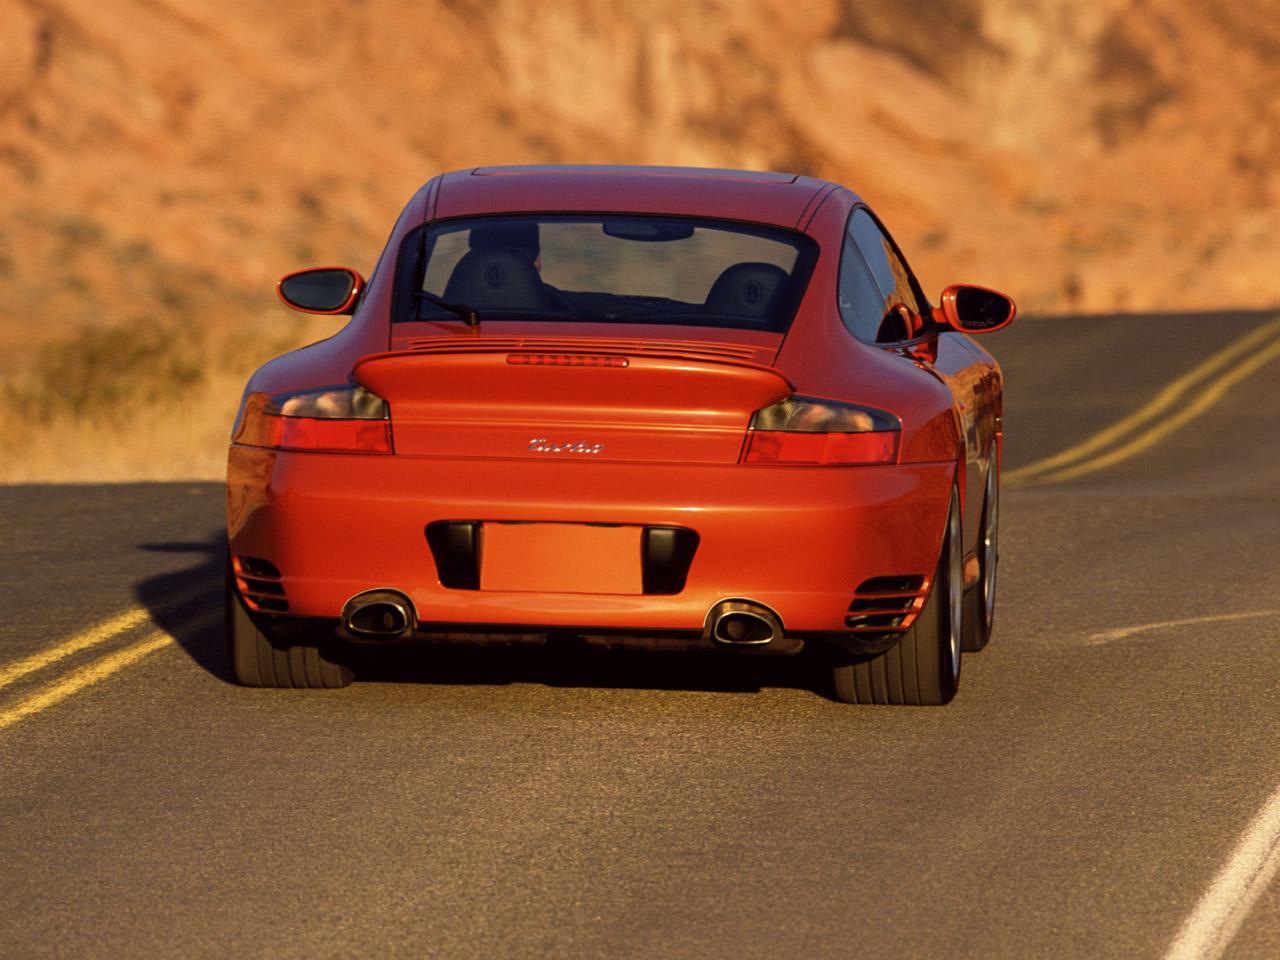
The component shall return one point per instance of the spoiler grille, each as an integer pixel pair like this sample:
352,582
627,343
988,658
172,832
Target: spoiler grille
683,348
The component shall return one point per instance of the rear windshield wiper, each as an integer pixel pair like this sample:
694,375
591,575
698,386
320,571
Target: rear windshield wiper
467,313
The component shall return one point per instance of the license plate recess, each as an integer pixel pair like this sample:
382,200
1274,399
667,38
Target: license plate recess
561,558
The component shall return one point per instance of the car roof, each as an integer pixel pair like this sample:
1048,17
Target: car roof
776,198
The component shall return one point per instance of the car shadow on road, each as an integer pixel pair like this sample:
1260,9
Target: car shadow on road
181,602
569,663
187,603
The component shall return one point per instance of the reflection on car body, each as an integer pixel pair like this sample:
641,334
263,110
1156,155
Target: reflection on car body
672,405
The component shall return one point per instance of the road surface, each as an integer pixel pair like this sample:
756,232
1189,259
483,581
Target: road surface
1099,788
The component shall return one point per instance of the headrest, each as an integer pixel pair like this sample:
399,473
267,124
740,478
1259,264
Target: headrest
496,279
747,290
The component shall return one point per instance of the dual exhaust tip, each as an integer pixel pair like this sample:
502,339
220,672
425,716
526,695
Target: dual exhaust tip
389,615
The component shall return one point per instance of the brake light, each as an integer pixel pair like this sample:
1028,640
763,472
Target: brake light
346,419
565,360
804,430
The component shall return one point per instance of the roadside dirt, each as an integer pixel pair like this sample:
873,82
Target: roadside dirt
163,161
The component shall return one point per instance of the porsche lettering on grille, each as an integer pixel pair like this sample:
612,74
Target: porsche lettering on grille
543,445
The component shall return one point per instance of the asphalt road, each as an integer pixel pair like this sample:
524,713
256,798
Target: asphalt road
1100,765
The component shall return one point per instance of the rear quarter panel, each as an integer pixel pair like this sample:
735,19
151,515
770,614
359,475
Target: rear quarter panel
368,331
974,379
822,358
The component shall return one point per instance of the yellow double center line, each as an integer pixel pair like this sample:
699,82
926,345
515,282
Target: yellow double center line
1191,394
65,686
1139,431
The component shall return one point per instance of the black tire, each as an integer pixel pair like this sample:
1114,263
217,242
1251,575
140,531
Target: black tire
260,660
923,667
980,599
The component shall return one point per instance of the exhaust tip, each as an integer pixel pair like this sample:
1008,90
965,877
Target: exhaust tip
743,628
378,615
743,623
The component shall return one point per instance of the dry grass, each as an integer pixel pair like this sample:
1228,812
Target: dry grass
133,402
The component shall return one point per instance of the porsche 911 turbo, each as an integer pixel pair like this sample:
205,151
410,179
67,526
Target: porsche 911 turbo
668,407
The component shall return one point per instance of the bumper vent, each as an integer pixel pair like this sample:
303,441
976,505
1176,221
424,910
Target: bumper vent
455,545
259,582
886,605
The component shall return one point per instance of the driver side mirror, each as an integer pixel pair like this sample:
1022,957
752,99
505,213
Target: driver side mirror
974,309
330,290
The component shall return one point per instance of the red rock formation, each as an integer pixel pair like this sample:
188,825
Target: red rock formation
170,158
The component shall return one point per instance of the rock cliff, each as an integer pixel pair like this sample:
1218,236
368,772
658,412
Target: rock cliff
170,158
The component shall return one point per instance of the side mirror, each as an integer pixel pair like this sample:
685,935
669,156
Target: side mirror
321,290
974,309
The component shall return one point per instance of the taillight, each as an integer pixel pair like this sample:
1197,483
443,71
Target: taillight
804,430
346,418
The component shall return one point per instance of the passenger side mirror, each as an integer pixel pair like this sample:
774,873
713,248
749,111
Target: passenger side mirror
321,290
974,309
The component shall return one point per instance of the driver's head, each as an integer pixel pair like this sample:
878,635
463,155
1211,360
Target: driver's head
519,235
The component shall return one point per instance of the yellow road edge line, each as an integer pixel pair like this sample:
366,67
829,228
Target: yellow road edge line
1144,441
1169,395
93,636
95,672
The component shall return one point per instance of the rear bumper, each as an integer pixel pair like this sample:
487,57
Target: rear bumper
798,539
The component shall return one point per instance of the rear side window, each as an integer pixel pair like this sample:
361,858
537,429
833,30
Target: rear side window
605,268
861,303
869,297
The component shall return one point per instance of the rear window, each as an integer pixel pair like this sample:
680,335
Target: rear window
606,268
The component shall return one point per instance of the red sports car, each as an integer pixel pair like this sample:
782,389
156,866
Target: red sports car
679,406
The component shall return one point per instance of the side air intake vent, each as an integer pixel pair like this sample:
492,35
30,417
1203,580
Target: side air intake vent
259,582
886,604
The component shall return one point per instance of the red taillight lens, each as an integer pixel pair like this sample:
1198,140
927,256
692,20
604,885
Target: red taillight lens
346,419
804,430
358,436
822,448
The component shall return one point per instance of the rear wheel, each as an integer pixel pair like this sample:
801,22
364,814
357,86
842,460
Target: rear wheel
923,667
980,601
259,659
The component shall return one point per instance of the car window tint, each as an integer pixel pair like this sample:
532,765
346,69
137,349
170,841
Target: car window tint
445,254
890,273
861,303
576,256
623,268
